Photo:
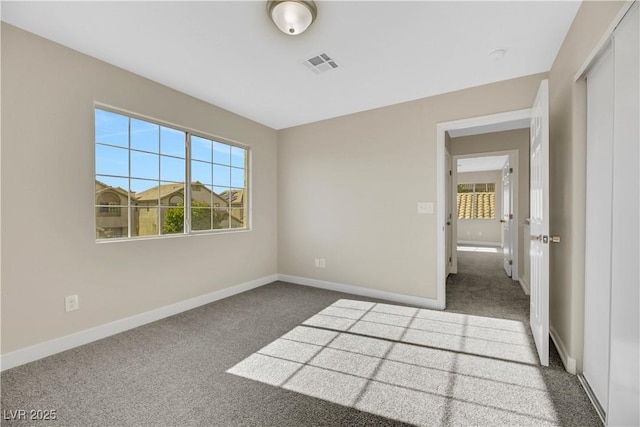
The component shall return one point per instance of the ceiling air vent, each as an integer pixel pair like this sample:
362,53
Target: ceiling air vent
321,63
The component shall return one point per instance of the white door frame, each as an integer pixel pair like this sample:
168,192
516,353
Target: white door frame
513,161
441,181
449,218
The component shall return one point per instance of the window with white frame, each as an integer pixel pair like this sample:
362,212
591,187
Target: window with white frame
146,173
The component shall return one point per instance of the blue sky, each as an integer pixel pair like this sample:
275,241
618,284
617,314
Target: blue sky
158,153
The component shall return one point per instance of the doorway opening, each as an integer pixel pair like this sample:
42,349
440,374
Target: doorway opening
519,119
537,119
486,202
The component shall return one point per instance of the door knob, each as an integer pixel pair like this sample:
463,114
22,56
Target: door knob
546,239
503,221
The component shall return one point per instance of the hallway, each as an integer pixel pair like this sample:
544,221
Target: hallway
482,287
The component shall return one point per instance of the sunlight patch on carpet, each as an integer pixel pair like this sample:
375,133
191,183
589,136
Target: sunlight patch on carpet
414,365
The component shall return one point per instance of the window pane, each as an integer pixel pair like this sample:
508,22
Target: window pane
171,169
221,153
111,128
201,218
221,176
237,178
105,184
221,197
145,190
172,220
172,142
201,195
169,191
145,136
112,226
485,205
201,172
237,218
144,165
238,157
112,161
237,198
111,211
200,149
465,188
111,197
220,219
465,205
144,218
176,200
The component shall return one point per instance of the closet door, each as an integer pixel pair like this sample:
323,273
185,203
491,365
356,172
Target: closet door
624,359
600,108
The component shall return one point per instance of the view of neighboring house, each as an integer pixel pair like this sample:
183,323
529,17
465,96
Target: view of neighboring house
150,208
112,220
236,200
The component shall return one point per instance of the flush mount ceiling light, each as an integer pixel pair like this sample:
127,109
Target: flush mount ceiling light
292,17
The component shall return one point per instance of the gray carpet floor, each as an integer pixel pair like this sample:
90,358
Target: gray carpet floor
199,367
482,287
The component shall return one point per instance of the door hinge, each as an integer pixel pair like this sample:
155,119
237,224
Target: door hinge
510,170
450,173
510,262
510,216
449,259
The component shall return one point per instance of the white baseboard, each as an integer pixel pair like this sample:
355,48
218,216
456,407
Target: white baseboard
48,348
525,286
568,362
366,292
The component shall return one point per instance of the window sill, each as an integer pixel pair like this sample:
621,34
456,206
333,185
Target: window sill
173,236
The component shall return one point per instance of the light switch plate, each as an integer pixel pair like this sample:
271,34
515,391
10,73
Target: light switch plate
425,207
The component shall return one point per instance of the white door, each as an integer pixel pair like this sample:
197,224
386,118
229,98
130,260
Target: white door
507,219
448,216
539,206
599,182
624,356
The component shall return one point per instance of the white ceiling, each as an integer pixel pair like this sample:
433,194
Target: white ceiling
482,164
230,54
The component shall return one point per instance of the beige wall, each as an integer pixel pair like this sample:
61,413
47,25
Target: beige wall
348,189
502,141
487,231
48,93
567,168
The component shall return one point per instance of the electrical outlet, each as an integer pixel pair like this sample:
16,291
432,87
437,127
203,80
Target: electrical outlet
317,262
323,263
71,303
